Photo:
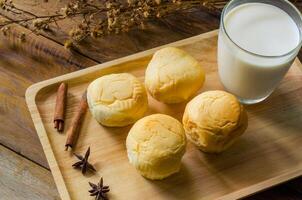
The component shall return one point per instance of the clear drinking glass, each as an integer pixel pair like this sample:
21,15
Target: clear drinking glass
249,76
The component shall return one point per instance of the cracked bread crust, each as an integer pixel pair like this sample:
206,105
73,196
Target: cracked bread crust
155,146
173,75
213,120
117,99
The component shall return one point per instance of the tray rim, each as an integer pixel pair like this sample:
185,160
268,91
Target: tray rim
33,90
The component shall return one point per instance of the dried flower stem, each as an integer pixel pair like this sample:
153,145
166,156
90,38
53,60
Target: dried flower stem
113,16
100,19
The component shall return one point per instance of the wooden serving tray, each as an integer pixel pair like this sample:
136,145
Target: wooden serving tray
267,154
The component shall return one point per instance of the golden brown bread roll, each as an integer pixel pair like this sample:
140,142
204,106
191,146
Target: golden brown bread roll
173,76
213,120
117,99
155,146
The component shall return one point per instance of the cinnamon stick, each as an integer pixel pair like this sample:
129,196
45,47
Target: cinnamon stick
60,107
74,129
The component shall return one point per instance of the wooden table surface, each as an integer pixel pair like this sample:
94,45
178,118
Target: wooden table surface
24,172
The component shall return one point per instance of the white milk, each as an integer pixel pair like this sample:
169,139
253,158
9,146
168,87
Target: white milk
261,29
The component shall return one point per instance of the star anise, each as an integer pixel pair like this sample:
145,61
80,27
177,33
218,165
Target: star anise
99,190
83,164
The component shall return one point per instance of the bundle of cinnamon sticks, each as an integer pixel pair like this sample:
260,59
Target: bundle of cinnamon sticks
59,116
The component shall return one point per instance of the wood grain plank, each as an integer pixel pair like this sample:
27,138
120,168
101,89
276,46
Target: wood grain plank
21,179
156,33
19,70
281,192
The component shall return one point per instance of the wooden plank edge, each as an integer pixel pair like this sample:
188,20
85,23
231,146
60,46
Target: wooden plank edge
34,89
30,96
23,179
298,62
264,185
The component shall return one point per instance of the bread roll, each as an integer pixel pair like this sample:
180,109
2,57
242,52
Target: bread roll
213,120
117,99
173,76
155,146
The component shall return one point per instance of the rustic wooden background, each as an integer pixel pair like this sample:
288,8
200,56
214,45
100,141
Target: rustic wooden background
24,172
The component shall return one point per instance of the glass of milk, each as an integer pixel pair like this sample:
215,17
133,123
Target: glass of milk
258,41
